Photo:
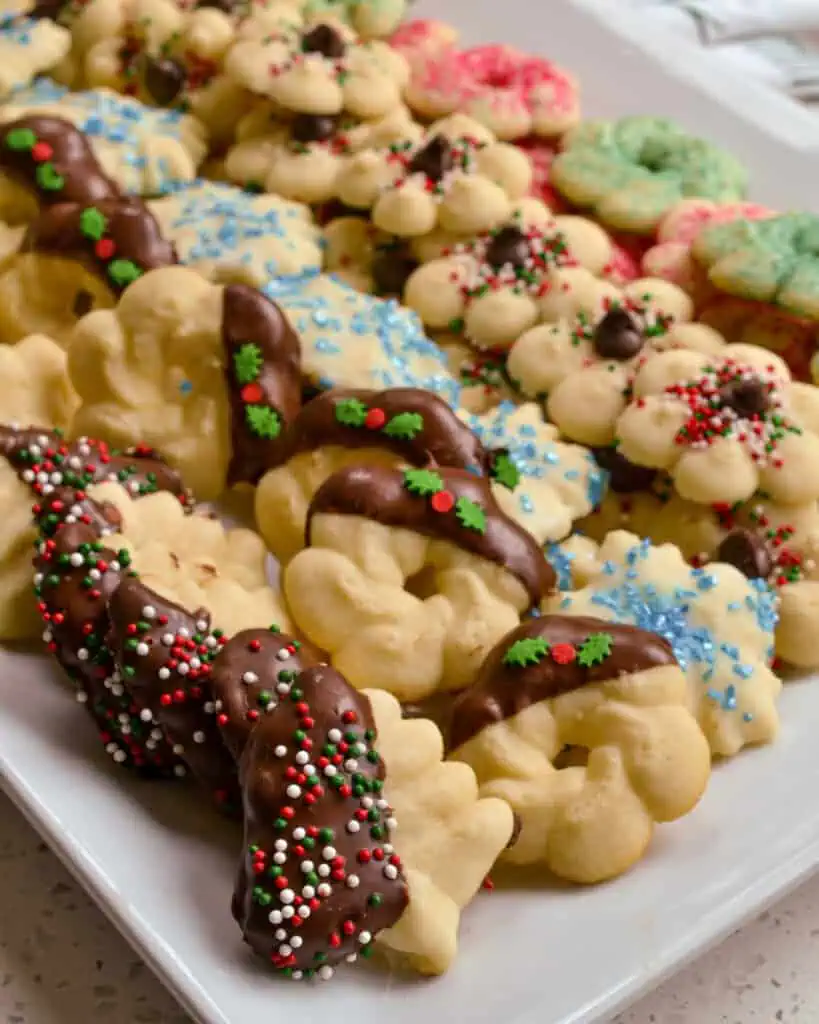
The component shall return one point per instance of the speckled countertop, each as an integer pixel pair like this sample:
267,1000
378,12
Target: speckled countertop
61,962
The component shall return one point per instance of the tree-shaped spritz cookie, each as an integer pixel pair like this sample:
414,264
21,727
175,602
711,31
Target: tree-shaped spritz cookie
417,560
209,374
349,426
457,177
719,623
616,690
591,338
327,774
725,427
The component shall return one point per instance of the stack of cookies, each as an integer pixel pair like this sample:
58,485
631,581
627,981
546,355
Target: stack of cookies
519,402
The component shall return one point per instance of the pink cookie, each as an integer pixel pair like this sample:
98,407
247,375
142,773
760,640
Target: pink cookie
627,256
421,38
671,259
508,91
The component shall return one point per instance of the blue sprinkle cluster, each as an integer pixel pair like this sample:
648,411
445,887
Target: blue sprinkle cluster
349,313
561,561
239,221
668,612
16,29
534,460
112,119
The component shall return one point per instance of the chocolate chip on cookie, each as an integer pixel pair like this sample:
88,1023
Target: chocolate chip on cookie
747,552
748,397
314,127
434,160
509,245
391,268
164,79
618,336
624,476
325,40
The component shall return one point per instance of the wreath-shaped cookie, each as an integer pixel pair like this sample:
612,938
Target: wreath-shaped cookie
490,287
721,634
631,172
724,427
317,67
457,177
774,260
614,690
346,426
583,356
376,842
208,374
419,560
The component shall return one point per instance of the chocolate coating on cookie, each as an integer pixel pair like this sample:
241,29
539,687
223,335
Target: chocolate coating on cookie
163,654
508,683
130,241
52,158
462,511
263,376
48,10
434,160
618,336
248,679
748,552
418,426
318,865
75,573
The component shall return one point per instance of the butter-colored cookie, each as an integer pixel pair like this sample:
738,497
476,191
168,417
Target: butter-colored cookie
206,373
416,560
721,633
30,45
617,693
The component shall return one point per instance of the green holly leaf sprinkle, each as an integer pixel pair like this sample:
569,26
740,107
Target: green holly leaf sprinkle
505,472
530,651
595,649
93,223
263,421
48,178
405,426
20,139
470,515
247,362
123,272
351,412
423,482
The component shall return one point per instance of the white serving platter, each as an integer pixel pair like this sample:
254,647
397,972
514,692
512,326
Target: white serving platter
160,864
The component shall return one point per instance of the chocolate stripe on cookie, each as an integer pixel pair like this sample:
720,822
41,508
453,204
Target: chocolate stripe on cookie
52,157
118,240
253,673
446,504
546,657
320,878
163,654
263,375
417,425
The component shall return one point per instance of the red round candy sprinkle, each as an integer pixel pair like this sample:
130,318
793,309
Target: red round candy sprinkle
443,501
375,419
252,393
105,249
563,654
41,151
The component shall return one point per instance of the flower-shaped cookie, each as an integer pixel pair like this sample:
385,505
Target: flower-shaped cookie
724,427
511,92
617,691
208,374
539,481
594,336
491,287
457,177
142,149
354,340
671,257
775,260
631,172
31,42
371,19
719,624
301,156
317,67
231,235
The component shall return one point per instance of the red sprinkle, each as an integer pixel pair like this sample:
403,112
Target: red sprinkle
376,418
443,501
